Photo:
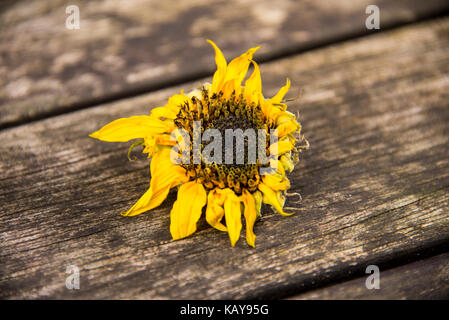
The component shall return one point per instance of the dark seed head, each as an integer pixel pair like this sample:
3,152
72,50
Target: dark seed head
221,114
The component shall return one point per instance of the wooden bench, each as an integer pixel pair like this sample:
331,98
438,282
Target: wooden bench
375,182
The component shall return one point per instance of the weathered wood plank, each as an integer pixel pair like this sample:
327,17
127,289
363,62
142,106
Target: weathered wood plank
424,279
375,185
129,46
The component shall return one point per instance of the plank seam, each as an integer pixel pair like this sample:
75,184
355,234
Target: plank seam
195,76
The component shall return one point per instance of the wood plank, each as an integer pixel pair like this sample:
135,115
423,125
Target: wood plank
375,185
424,279
133,46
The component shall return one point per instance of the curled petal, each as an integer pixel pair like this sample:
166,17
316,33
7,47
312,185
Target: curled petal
239,66
281,93
220,74
253,86
287,162
236,71
270,110
215,210
276,182
273,198
286,123
281,147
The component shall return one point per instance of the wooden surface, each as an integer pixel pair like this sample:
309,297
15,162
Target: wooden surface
131,46
424,279
375,185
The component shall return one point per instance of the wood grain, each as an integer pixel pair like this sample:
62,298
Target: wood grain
132,46
375,185
424,279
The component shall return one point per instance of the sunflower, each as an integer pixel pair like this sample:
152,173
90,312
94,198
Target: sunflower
226,190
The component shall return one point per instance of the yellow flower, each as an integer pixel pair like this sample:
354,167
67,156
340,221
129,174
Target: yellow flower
227,190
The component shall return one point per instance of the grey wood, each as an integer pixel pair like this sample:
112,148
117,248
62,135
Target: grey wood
375,185
132,46
423,279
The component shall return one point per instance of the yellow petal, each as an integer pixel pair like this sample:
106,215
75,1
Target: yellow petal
164,112
281,93
176,101
289,127
187,209
253,86
250,216
126,129
286,123
276,182
165,139
164,176
280,147
270,110
236,71
150,146
287,162
233,215
280,169
230,87
214,210
220,74
258,202
239,66
272,198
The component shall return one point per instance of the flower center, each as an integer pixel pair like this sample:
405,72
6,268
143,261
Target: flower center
232,118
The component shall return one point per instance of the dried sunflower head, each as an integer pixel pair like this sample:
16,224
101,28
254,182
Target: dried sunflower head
227,180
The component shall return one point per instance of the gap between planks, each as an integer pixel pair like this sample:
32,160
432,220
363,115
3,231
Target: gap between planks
370,164
395,17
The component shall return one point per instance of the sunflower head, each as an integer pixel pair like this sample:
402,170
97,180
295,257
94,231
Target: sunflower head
253,147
